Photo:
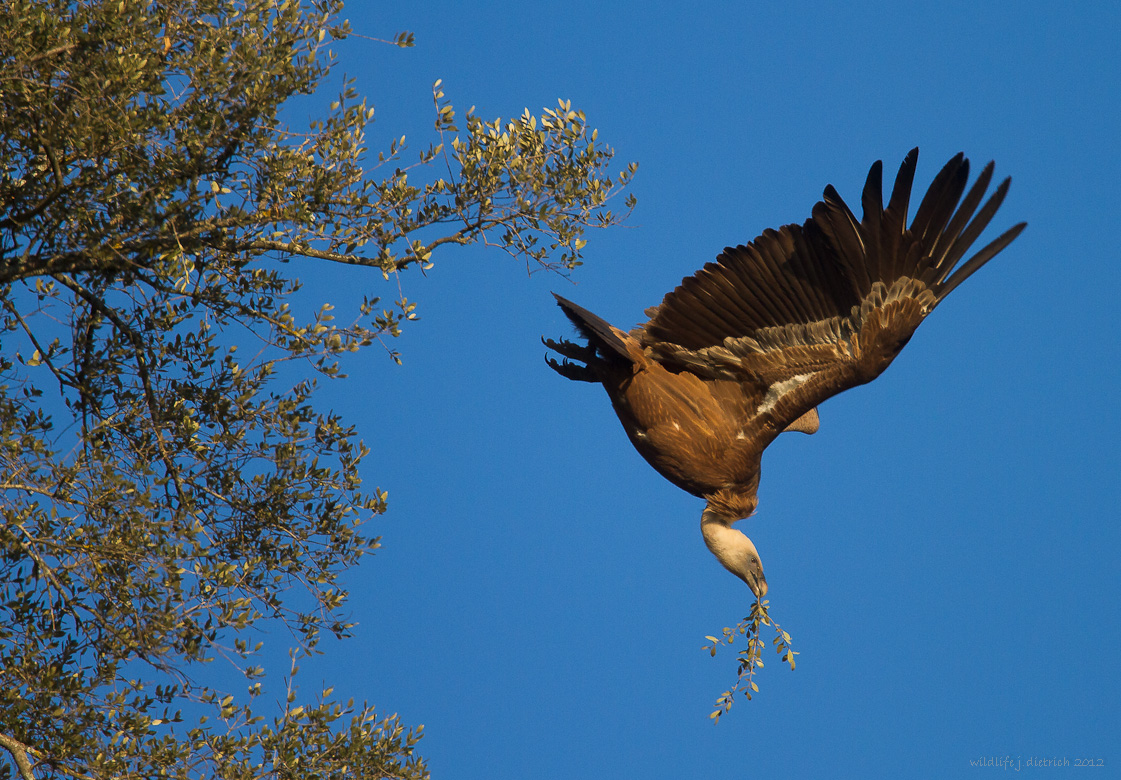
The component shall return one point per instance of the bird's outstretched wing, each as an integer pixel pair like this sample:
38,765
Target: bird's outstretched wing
807,311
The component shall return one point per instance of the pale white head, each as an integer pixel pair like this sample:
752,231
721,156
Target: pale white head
735,551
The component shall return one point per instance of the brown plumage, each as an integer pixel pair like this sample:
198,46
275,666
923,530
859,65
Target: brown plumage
748,346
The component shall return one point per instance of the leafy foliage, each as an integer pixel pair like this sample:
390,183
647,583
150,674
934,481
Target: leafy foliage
168,481
751,657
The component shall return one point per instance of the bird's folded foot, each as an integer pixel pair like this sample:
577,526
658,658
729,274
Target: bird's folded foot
572,371
570,350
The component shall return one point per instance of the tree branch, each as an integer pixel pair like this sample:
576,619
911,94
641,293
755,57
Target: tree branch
63,381
142,369
52,52
261,245
18,752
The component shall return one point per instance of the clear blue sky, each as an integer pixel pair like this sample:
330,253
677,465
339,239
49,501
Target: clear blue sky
944,551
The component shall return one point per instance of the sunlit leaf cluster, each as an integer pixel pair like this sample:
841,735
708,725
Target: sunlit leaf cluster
169,482
750,659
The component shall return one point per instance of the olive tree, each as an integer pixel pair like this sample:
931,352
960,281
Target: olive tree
169,482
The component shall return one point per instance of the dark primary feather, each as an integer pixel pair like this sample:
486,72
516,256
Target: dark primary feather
821,269
748,346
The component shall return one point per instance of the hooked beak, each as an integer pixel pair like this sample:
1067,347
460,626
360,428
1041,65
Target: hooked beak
758,585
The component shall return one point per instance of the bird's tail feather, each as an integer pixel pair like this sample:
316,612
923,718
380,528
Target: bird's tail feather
595,329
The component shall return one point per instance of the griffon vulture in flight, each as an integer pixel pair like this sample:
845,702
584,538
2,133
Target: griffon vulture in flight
748,346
